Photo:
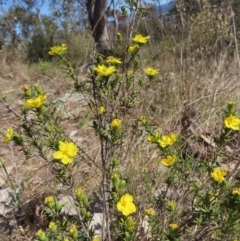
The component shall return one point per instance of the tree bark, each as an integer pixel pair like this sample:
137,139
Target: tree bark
98,20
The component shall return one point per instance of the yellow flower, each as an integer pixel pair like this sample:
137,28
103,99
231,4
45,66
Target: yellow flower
49,201
105,71
35,102
154,138
78,192
41,235
218,174
151,71
113,60
129,73
126,205
172,205
168,161
173,226
133,48
167,140
129,223
8,135
58,50
96,239
52,226
140,39
150,212
73,231
101,110
151,139
236,191
232,122
115,124
143,119
67,150
25,88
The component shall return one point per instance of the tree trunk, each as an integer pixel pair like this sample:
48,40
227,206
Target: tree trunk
98,20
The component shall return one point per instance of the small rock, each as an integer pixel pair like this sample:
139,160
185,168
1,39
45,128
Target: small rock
5,202
69,207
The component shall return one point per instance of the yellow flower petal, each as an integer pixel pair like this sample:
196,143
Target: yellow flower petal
141,39
58,155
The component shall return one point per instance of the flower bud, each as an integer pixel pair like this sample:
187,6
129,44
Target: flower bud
41,235
119,38
27,90
85,200
230,107
124,11
83,212
53,226
99,59
73,232
48,128
172,206
136,64
115,162
115,180
88,215
38,88
122,184
50,201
